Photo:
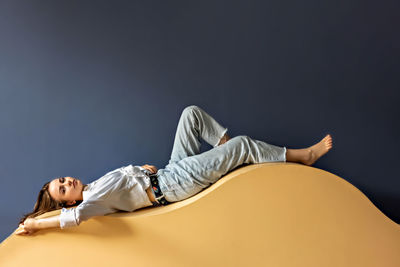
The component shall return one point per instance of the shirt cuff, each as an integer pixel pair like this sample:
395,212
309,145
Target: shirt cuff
68,218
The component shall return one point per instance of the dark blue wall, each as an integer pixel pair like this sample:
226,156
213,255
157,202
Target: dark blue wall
89,86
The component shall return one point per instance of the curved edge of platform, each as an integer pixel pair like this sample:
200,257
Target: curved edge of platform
150,211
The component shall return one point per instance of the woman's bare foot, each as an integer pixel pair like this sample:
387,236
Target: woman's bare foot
310,155
318,150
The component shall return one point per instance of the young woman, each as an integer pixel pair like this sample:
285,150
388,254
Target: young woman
188,172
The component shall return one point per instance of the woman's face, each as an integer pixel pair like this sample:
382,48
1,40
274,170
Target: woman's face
66,189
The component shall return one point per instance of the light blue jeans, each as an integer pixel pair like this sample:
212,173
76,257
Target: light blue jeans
189,172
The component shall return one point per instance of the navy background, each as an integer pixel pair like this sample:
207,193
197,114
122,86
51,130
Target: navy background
90,86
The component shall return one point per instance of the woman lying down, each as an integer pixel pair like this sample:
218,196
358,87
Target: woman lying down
188,172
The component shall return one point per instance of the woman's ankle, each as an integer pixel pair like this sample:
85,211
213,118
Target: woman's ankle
224,139
297,155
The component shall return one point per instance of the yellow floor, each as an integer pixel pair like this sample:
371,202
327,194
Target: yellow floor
272,214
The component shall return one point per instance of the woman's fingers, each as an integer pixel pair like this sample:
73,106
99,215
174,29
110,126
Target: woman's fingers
21,231
151,168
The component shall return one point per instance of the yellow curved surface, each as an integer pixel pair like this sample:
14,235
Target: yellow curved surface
271,214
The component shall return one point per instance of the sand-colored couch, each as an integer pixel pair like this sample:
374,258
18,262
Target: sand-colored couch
272,214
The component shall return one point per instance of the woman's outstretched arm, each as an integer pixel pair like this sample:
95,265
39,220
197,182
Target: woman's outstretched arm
31,225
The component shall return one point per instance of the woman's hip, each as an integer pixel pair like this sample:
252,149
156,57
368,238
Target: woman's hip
180,186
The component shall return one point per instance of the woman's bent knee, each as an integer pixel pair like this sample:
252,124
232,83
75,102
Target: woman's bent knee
190,108
189,111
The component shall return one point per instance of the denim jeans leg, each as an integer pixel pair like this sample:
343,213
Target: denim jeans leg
194,124
190,175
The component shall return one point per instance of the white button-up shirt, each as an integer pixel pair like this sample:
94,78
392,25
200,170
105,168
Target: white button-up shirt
121,189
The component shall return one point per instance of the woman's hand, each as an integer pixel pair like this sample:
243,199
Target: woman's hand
28,227
150,168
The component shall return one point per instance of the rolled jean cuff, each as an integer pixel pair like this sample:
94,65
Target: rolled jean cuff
222,135
284,154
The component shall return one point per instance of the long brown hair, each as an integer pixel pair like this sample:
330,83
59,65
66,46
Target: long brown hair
44,203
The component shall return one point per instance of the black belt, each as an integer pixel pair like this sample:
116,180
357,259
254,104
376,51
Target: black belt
157,191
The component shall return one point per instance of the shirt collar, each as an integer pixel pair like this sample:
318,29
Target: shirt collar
85,192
